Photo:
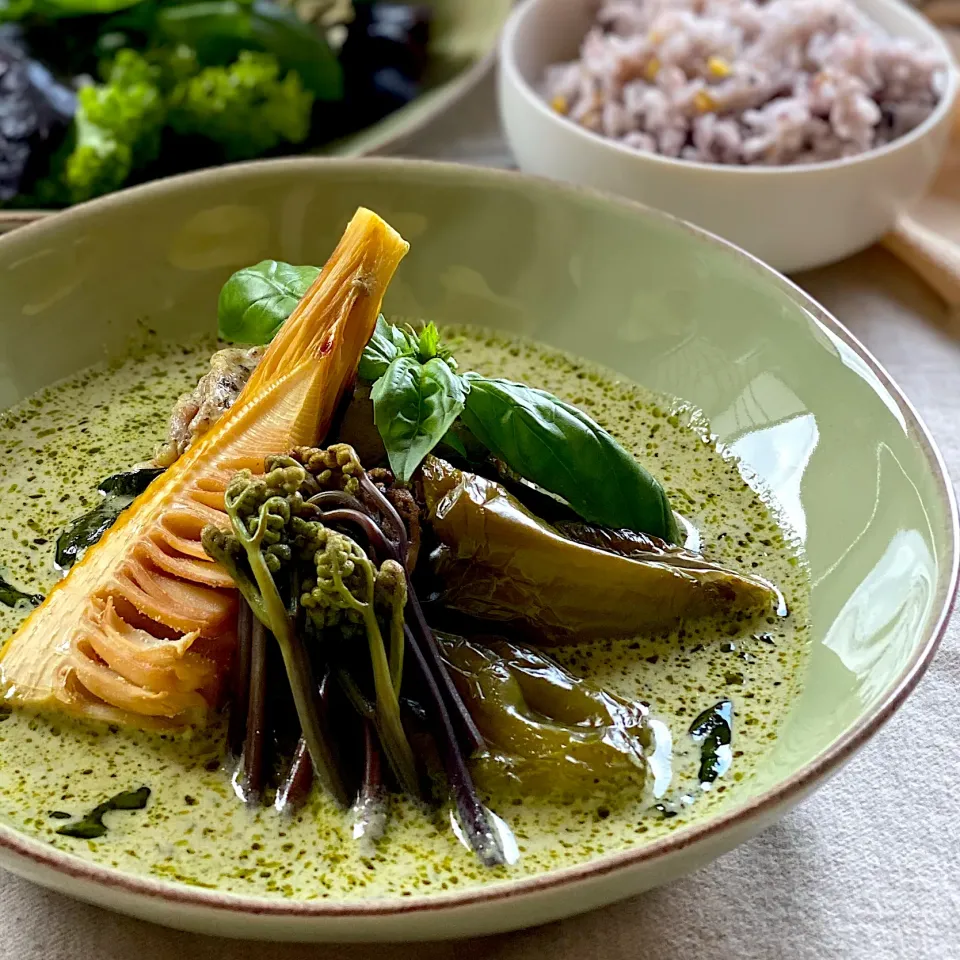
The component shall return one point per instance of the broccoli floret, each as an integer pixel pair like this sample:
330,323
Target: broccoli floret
130,106
116,129
247,107
176,64
98,162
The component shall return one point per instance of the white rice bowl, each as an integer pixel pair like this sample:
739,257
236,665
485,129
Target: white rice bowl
744,83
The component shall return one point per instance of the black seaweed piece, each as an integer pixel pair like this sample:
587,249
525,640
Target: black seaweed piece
118,491
85,531
250,781
10,596
92,826
131,483
713,730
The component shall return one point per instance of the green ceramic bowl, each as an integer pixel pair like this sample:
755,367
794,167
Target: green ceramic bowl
786,388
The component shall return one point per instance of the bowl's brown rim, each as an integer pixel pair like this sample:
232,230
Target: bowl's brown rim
791,789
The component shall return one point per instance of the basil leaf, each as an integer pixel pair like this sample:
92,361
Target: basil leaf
413,407
255,301
387,343
559,448
453,441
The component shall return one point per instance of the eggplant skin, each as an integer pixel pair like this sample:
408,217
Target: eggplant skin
497,561
547,731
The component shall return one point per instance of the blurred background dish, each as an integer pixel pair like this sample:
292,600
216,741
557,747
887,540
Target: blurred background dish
100,94
794,217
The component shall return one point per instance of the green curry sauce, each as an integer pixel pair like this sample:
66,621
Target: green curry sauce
56,446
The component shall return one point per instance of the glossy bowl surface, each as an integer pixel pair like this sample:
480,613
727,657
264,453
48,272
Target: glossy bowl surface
794,218
816,422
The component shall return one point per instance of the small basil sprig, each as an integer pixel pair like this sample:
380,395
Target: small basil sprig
419,401
559,448
387,344
414,404
256,301
390,342
416,393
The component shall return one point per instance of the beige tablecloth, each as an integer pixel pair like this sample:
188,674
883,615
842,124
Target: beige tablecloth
867,869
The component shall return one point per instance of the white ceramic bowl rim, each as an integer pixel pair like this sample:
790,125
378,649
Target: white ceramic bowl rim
508,63
818,769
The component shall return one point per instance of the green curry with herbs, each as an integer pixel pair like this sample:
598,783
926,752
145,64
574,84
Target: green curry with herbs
372,620
193,828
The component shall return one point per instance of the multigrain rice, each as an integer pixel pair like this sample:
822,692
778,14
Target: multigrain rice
740,82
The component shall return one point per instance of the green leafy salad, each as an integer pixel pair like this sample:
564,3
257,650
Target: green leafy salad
112,92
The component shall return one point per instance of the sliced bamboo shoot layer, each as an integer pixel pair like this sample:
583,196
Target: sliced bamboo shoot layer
145,598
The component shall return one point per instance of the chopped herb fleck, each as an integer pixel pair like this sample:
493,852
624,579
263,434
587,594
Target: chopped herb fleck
92,825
